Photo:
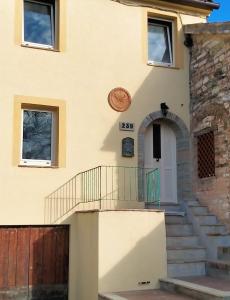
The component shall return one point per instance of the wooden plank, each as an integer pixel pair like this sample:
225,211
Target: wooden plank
12,257
49,255
36,256
60,261
1,259
4,257
22,276
66,256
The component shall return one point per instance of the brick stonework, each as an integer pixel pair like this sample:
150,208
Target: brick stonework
210,110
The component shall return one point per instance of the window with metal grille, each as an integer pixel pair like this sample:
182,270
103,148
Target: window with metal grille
206,155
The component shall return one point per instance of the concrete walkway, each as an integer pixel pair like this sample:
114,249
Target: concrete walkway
146,295
221,285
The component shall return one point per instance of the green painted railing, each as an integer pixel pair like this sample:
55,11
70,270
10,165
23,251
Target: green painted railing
103,187
153,186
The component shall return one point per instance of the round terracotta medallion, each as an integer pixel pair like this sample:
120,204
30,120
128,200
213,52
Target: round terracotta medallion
119,99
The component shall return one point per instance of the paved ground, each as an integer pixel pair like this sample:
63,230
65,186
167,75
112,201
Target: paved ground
215,283
152,295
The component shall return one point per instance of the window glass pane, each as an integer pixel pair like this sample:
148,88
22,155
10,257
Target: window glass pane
37,135
38,23
158,43
156,141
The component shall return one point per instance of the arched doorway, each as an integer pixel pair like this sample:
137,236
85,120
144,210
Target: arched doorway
163,143
160,153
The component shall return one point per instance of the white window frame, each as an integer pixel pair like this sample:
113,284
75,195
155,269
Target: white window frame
171,44
53,24
38,162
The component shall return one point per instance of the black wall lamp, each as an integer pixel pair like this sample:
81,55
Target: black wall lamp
164,109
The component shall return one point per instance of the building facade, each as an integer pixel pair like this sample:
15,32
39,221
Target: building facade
68,78
91,85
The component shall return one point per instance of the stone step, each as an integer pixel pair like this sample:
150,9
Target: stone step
199,210
150,205
175,213
224,253
196,291
206,219
164,206
193,203
218,268
216,241
179,229
182,241
171,207
172,219
186,268
213,229
219,240
186,254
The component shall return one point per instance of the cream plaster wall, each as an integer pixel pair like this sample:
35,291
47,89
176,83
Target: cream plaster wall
83,256
114,250
132,249
104,48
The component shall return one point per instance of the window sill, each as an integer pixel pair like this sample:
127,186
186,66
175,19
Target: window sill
37,166
151,64
32,46
207,178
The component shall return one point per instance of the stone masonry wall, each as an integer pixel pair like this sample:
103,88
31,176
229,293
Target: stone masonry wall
210,110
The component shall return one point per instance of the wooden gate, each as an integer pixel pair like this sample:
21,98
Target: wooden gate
34,262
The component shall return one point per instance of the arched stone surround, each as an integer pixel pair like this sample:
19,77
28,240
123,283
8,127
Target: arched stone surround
184,176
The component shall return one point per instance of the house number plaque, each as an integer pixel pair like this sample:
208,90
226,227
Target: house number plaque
128,147
126,126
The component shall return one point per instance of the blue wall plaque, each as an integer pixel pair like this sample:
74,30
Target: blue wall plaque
128,147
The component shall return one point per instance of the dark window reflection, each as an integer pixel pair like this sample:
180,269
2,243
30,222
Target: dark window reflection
159,39
37,135
38,23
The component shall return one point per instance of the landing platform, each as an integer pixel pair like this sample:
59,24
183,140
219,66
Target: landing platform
211,282
199,287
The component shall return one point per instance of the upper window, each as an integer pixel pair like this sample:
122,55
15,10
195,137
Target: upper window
39,23
38,137
160,39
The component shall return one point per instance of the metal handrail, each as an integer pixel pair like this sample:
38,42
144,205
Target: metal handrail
153,186
104,187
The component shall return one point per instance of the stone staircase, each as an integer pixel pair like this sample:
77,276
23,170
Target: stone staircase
185,254
212,234
196,240
198,246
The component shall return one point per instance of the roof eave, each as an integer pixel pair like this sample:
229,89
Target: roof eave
196,3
